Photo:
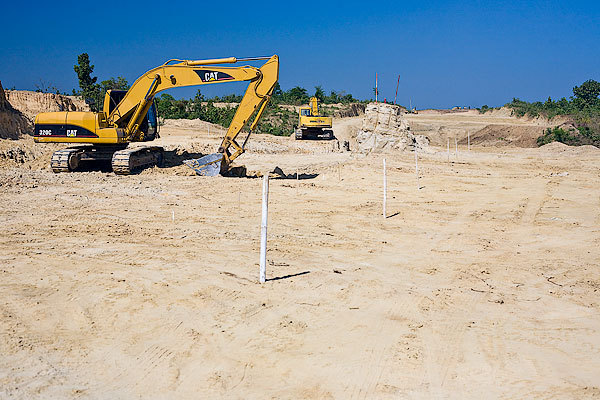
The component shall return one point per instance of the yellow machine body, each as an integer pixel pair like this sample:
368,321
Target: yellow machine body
310,117
75,127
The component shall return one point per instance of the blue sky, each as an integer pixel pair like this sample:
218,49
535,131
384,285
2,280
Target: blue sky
447,53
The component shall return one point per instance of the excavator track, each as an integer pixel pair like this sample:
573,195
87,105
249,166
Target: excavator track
128,161
66,160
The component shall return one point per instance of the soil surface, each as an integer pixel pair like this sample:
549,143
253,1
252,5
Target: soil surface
482,282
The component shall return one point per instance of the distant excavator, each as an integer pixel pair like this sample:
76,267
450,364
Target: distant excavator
311,124
130,116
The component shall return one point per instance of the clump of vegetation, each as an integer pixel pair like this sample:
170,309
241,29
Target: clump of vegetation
574,137
485,108
583,108
277,121
554,135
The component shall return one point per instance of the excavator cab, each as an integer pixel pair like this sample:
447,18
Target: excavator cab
149,125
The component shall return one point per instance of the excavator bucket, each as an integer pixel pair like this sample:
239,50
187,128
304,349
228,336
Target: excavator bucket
209,165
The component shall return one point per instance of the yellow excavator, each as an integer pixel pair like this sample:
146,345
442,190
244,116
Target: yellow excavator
311,124
130,116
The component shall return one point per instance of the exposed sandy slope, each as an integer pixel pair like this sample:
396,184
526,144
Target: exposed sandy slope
494,128
31,103
13,123
483,283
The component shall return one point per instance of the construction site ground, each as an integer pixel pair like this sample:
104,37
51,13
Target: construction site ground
482,282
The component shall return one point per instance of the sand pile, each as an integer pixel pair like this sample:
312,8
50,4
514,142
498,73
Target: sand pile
198,125
25,153
12,122
385,128
556,148
506,135
32,103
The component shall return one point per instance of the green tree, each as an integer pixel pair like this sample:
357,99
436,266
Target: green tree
346,98
196,109
320,93
170,108
278,95
89,90
586,95
297,95
118,83
332,98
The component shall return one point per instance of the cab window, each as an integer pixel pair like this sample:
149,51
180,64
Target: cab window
305,112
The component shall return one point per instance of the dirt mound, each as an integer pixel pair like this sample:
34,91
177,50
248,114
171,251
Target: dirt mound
385,128
25,153
561,148
202,127
12,122
32,103
506,135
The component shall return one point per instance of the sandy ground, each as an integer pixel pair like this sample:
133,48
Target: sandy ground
482,282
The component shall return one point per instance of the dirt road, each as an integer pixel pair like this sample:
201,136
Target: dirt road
482,282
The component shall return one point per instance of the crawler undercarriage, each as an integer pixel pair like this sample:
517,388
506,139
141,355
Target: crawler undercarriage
124,160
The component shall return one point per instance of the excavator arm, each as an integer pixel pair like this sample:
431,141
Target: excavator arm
130,111
314,107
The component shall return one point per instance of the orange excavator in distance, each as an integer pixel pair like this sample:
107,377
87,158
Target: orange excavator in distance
130,116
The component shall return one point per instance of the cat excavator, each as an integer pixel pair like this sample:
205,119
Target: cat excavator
130,116
311,124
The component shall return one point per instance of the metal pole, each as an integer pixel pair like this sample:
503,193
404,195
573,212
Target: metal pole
263,230
384,189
